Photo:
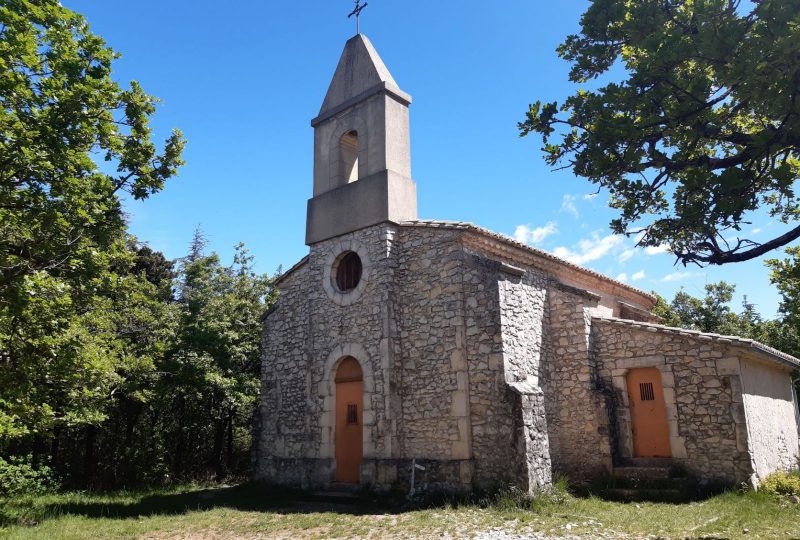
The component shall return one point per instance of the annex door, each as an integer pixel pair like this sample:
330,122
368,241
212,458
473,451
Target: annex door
648,413
348,434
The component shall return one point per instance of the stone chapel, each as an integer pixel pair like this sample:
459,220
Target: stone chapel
487,362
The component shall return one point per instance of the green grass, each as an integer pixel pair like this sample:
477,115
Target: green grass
254,511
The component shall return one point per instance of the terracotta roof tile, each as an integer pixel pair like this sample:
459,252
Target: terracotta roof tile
463,225
775,354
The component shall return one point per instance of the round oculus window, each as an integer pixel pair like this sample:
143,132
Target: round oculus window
348,271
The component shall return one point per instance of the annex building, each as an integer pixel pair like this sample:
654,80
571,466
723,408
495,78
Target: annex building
485,361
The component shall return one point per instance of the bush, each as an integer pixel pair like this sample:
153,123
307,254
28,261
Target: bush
19,477
782,483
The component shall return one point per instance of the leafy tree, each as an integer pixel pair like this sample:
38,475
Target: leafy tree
712,313
663,310
186,375
785,275
72,324
155,268
62,111
709,314
702,129
215,363
118,369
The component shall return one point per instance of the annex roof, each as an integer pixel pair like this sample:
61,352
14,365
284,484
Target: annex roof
756,346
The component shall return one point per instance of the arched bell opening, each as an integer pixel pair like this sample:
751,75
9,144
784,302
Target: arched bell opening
348,157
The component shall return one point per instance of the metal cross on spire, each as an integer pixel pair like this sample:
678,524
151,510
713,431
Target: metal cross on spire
357,12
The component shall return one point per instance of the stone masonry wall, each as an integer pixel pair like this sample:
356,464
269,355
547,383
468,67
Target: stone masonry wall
702,393
305,328
577,421
522,305
432,377
281,419
455,363
522,300
495,408
473,366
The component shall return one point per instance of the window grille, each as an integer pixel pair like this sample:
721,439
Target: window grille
646,391
348,272
352,414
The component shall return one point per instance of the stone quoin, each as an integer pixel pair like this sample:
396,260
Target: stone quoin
485,361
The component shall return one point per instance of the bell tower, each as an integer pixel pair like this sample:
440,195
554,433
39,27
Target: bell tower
362,154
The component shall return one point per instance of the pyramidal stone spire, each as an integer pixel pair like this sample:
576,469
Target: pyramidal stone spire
360,69
362,149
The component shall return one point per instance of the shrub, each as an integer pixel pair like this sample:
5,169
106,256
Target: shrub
18,476
782,483
514,498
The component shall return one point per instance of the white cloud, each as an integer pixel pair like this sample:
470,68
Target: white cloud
655,250
623,277
527,235
568,205
638,275
626,255
590,196
590,249
756,230
676,276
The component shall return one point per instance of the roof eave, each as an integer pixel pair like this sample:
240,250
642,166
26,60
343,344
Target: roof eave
735,341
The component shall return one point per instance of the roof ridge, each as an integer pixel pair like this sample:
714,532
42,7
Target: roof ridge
512,241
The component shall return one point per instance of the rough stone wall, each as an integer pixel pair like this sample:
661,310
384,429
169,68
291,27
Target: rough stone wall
300,334
283,416
454,344
522,305
522,302
533,444
577,420
433,376
770,410
456,361
495,408
702,393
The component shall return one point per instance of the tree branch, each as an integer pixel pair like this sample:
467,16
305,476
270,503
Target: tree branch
720,256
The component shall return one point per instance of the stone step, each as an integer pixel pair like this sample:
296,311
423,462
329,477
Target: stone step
646,462
344,487
343,497
641,472
644,494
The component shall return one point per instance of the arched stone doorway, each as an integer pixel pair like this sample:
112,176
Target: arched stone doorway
349,426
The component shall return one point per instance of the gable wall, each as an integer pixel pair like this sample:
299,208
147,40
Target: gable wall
303,338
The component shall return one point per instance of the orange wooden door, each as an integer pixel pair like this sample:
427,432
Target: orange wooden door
648,413
348,433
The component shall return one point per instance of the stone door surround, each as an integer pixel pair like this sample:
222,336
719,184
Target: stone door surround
327,393
619,371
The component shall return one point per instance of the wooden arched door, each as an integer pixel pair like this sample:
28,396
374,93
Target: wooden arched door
648,413
348,435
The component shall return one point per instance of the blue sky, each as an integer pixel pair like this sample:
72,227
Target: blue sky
242,79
